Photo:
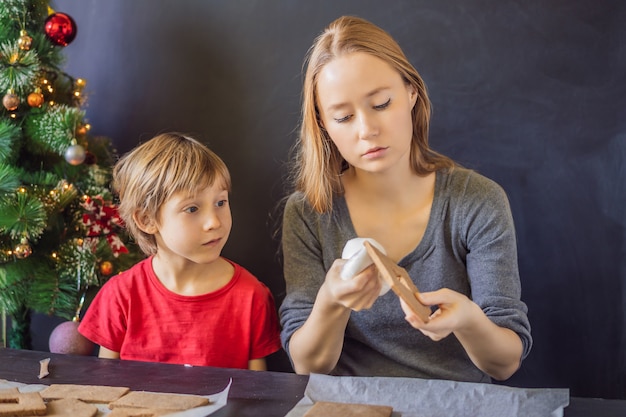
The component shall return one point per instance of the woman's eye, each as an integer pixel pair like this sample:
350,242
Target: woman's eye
191,209
383,106
343,119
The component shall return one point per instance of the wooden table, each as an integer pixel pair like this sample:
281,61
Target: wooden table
252,393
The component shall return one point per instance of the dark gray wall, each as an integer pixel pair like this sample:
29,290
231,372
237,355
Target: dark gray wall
531,94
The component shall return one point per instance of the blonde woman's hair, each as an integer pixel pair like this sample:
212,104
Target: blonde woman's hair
317,162
150,174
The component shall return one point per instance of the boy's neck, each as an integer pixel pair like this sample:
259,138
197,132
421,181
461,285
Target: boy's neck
191,279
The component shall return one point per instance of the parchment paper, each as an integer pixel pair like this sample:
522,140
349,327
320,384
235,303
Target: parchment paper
412,397
218,400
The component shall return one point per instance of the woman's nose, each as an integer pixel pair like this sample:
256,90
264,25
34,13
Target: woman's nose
367,126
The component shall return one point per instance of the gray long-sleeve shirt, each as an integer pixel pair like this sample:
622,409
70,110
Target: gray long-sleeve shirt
469,246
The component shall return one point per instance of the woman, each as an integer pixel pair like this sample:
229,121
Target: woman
363,168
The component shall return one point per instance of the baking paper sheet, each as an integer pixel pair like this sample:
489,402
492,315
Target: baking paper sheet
217,400
412,397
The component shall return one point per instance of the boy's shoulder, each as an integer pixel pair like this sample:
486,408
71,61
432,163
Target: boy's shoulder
140,270
246,278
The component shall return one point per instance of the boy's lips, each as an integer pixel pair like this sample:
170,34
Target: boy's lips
212,241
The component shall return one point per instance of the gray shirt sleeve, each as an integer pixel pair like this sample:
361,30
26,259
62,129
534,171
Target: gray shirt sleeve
304,264
486,232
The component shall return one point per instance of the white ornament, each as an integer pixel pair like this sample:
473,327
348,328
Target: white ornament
75,155
358,259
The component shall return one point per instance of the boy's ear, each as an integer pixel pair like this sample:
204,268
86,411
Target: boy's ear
145,223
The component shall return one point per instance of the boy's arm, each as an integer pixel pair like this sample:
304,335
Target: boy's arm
257,364
108,354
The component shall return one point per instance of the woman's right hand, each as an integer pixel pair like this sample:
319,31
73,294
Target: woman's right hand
316,346
357,293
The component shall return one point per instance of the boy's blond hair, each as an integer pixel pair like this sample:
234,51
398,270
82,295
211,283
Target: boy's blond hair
150,174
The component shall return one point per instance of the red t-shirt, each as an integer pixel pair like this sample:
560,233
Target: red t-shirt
135,315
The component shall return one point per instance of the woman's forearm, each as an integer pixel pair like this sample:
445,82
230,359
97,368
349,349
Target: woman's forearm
495,350
316,346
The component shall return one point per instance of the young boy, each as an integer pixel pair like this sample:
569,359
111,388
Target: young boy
184,304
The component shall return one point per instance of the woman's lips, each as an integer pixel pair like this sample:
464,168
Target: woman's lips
374,152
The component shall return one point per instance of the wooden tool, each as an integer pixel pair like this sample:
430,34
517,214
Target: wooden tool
399,281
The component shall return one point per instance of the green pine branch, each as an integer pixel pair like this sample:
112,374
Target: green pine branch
51,128
48,256
22,215
19,69
9,136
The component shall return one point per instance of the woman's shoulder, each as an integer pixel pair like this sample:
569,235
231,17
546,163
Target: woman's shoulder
297,201
469,183
298,206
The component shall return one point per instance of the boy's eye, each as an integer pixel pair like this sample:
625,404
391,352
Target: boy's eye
384,105
191,209
221,203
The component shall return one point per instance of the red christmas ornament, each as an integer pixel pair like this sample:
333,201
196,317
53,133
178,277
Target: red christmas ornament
60,29
66,339
90,158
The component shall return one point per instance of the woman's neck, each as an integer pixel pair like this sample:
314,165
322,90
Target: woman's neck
398,186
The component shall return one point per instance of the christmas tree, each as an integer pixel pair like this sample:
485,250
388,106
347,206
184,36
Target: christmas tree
60,234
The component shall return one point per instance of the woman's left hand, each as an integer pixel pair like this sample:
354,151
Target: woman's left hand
454,312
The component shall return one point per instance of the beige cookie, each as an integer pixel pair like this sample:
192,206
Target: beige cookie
159,401
100,394
71,407
15,403
335,409
137,412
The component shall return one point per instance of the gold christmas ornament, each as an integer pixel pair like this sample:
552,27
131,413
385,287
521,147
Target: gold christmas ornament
35,99
10,101
23,249
24,41
81,130
106,268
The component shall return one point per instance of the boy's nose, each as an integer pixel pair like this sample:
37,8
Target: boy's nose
212,221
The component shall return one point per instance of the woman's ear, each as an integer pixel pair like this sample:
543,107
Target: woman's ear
412,95
145,223
320,122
